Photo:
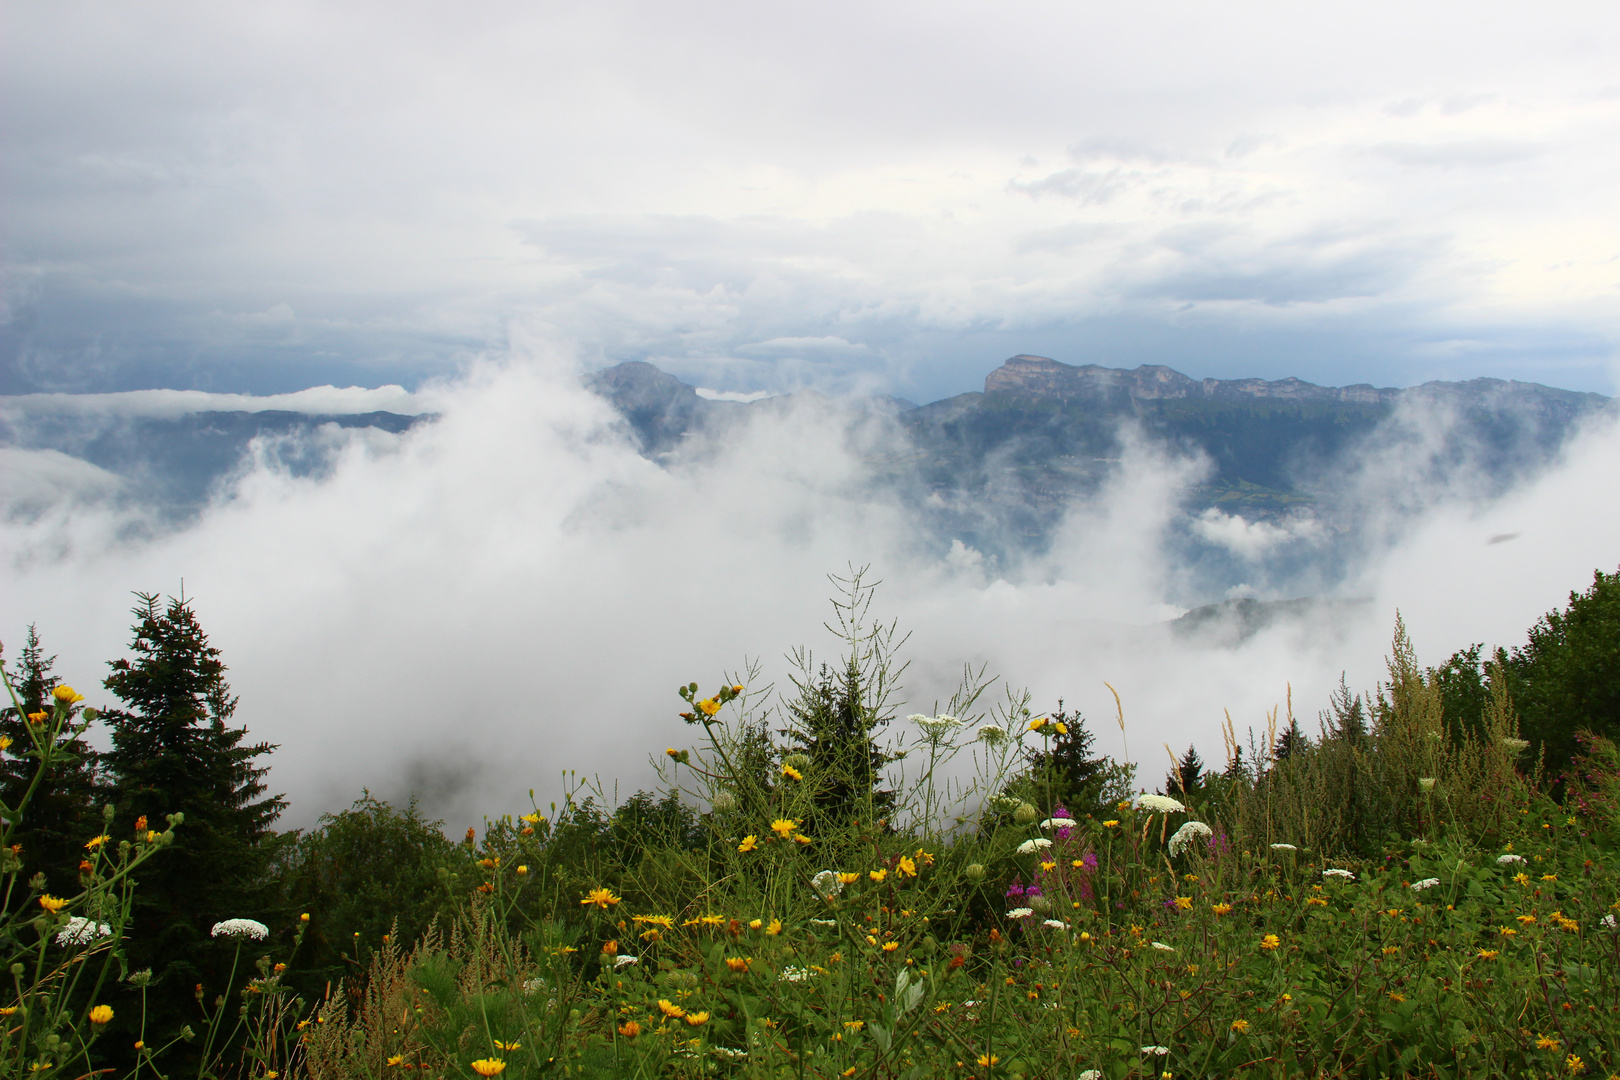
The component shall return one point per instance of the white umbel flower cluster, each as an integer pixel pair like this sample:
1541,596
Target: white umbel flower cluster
1185,835
991,734
1159,804
1426,883
935,727
1020,913
1510,860
1030,847
80,931
826,884
1283,847
1334,871
243,928
1058,823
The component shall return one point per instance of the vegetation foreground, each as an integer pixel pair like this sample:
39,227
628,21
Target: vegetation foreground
1412,893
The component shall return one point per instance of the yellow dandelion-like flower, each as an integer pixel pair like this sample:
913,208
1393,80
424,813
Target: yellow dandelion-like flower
52,904
697,1019
1111,823
877,875
487,1067
709,706
1316,901
1545,1043
654,920
101,1014
1221,909
395,1061
1549,877
67,695
890,946
629,1029
602,898
749,843
848,879
1522,878
800,838
1240,1026
1051,866
1508,931
1397,998
755,924
1391,950
854,1025
670,1009
784,827
987,1060
1574,1064
792,773
1527,920
737,963
96,841
506,1045
1488,954
38,717
1184,903
774,928
1270,941
906,867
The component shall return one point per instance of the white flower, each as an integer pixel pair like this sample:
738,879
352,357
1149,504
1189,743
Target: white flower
1162,947
81,931
1055,924
1608,923
1090,1074
1058,823
1509,860
1159,1050
824,922
794,974
1283,847
1186,835
1426,783
935,726
1334,871
1159,804
991,734
1030,847
247,928
1426,883
621,961
1020,913
827,884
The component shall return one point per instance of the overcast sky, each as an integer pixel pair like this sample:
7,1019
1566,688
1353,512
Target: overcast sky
259,198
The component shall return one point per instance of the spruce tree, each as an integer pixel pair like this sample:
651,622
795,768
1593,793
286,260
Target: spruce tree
174,752
61,815
1187,778
1067,775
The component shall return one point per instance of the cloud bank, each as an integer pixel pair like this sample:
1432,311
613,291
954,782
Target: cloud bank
468,608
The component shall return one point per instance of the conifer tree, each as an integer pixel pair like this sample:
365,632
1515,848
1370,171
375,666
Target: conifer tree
1067,775
173,752
62,813
1187,778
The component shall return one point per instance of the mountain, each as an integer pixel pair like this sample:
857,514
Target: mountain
1042,433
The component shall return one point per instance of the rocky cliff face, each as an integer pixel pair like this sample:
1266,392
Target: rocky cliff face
1038,376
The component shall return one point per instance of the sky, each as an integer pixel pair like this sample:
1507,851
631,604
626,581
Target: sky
461,211
262,198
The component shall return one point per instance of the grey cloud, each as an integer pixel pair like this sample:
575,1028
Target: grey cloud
1459,154
1089,187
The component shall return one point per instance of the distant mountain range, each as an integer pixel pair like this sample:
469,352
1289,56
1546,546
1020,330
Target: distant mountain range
1043,432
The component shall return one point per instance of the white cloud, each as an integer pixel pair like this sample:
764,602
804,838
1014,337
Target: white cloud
170,404
510,591
1252,539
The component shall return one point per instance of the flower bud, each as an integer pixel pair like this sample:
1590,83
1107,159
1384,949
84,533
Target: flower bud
724,802
974,872
797,761
1025,814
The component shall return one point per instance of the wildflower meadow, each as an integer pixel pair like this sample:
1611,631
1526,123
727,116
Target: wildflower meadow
820,886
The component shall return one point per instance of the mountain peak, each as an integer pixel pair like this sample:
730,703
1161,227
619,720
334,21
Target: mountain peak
1042,377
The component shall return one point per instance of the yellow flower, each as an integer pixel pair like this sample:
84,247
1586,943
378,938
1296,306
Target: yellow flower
877,875
532,819
396,1060
750,843
755,924
522,870
629,1029
800,838
1240,1026
737,963
670,1009
304,917
848,879
1316,901
38,717
854,1025
890,946
987,1060
906,866
1549,877
101,1014
792,773
1112,823
488,1066
1184,903
506,1046
1037,723
697,1019
1062,728
1527,920
1397,998
1522,878
1047,866
1221,909
654,920
5,742
96,841
1391,950
774,928
67,695
1573,1063
1508,931
602,898
709,706
736,689
1488,954
1270,941
52,904
784,827
1544,1043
